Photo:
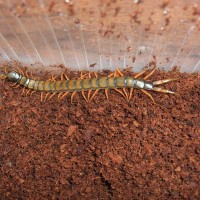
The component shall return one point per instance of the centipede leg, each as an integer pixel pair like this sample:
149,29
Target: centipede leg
33,92
28,92
130,94
51,96
150,74
23,91
66,77
140,74
96,91
5,70
149,95
83,92
47,94
15,84
64,95
59,95
106,92
118,73
41,97
89,92
72,96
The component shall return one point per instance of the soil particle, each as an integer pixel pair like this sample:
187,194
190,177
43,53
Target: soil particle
105,149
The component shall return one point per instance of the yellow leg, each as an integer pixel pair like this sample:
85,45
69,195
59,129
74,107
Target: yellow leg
33,92
149,95
106,92
83,94
64,95
96,91
51,96
47,94
140,74
72,96
119,91
89,92
150,74
28,92
41,97
60,95
130,94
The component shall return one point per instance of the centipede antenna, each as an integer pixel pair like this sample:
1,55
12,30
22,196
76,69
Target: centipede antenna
5,70
3,76
23,91
66,77
119,72
33,92
164,81
20,71
26,73
61,77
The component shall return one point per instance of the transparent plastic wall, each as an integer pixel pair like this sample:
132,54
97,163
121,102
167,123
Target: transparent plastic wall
102,34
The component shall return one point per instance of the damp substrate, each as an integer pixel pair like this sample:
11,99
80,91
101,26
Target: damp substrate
105,149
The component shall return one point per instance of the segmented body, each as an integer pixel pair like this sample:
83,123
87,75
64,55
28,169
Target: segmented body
88,84
84,84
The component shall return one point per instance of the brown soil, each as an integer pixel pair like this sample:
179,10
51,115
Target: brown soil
107,149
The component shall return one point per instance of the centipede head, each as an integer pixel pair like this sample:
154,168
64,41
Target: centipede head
14,76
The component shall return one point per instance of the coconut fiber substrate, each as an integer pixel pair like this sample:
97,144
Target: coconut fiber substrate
105,149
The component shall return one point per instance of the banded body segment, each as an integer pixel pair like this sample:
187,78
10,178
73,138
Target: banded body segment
23,81
41,85
31,84
83,84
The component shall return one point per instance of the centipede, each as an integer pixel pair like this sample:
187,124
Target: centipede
115,81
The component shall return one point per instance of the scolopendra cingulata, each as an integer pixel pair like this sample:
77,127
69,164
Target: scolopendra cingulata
64,86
